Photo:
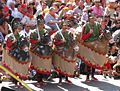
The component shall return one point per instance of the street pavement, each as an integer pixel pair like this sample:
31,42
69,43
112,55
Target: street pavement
78,84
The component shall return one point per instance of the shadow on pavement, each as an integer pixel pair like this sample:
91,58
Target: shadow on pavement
63,87
105,86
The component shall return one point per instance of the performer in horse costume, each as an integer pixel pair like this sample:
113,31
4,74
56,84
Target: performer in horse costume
90,35
41,50
64,57
16,55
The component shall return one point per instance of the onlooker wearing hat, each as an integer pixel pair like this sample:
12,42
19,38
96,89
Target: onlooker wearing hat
7,14
70,5
78,9
110,8
22,9
6,11
29,18
51,19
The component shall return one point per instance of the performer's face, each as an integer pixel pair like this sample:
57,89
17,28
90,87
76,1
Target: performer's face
65,27
17,30
104,22
41,26
27,28
91,19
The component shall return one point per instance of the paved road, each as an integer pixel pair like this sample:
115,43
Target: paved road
78,85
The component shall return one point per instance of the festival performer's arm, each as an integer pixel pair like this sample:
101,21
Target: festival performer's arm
57,40
86,35
33,38
10,42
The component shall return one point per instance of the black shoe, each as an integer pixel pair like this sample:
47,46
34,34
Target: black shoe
110,76
105,76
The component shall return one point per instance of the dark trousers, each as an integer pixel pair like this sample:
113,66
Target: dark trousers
39,77
61,76
14,81
90,71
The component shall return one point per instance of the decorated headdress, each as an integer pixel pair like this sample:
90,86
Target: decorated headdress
65,23
40,19
15,24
